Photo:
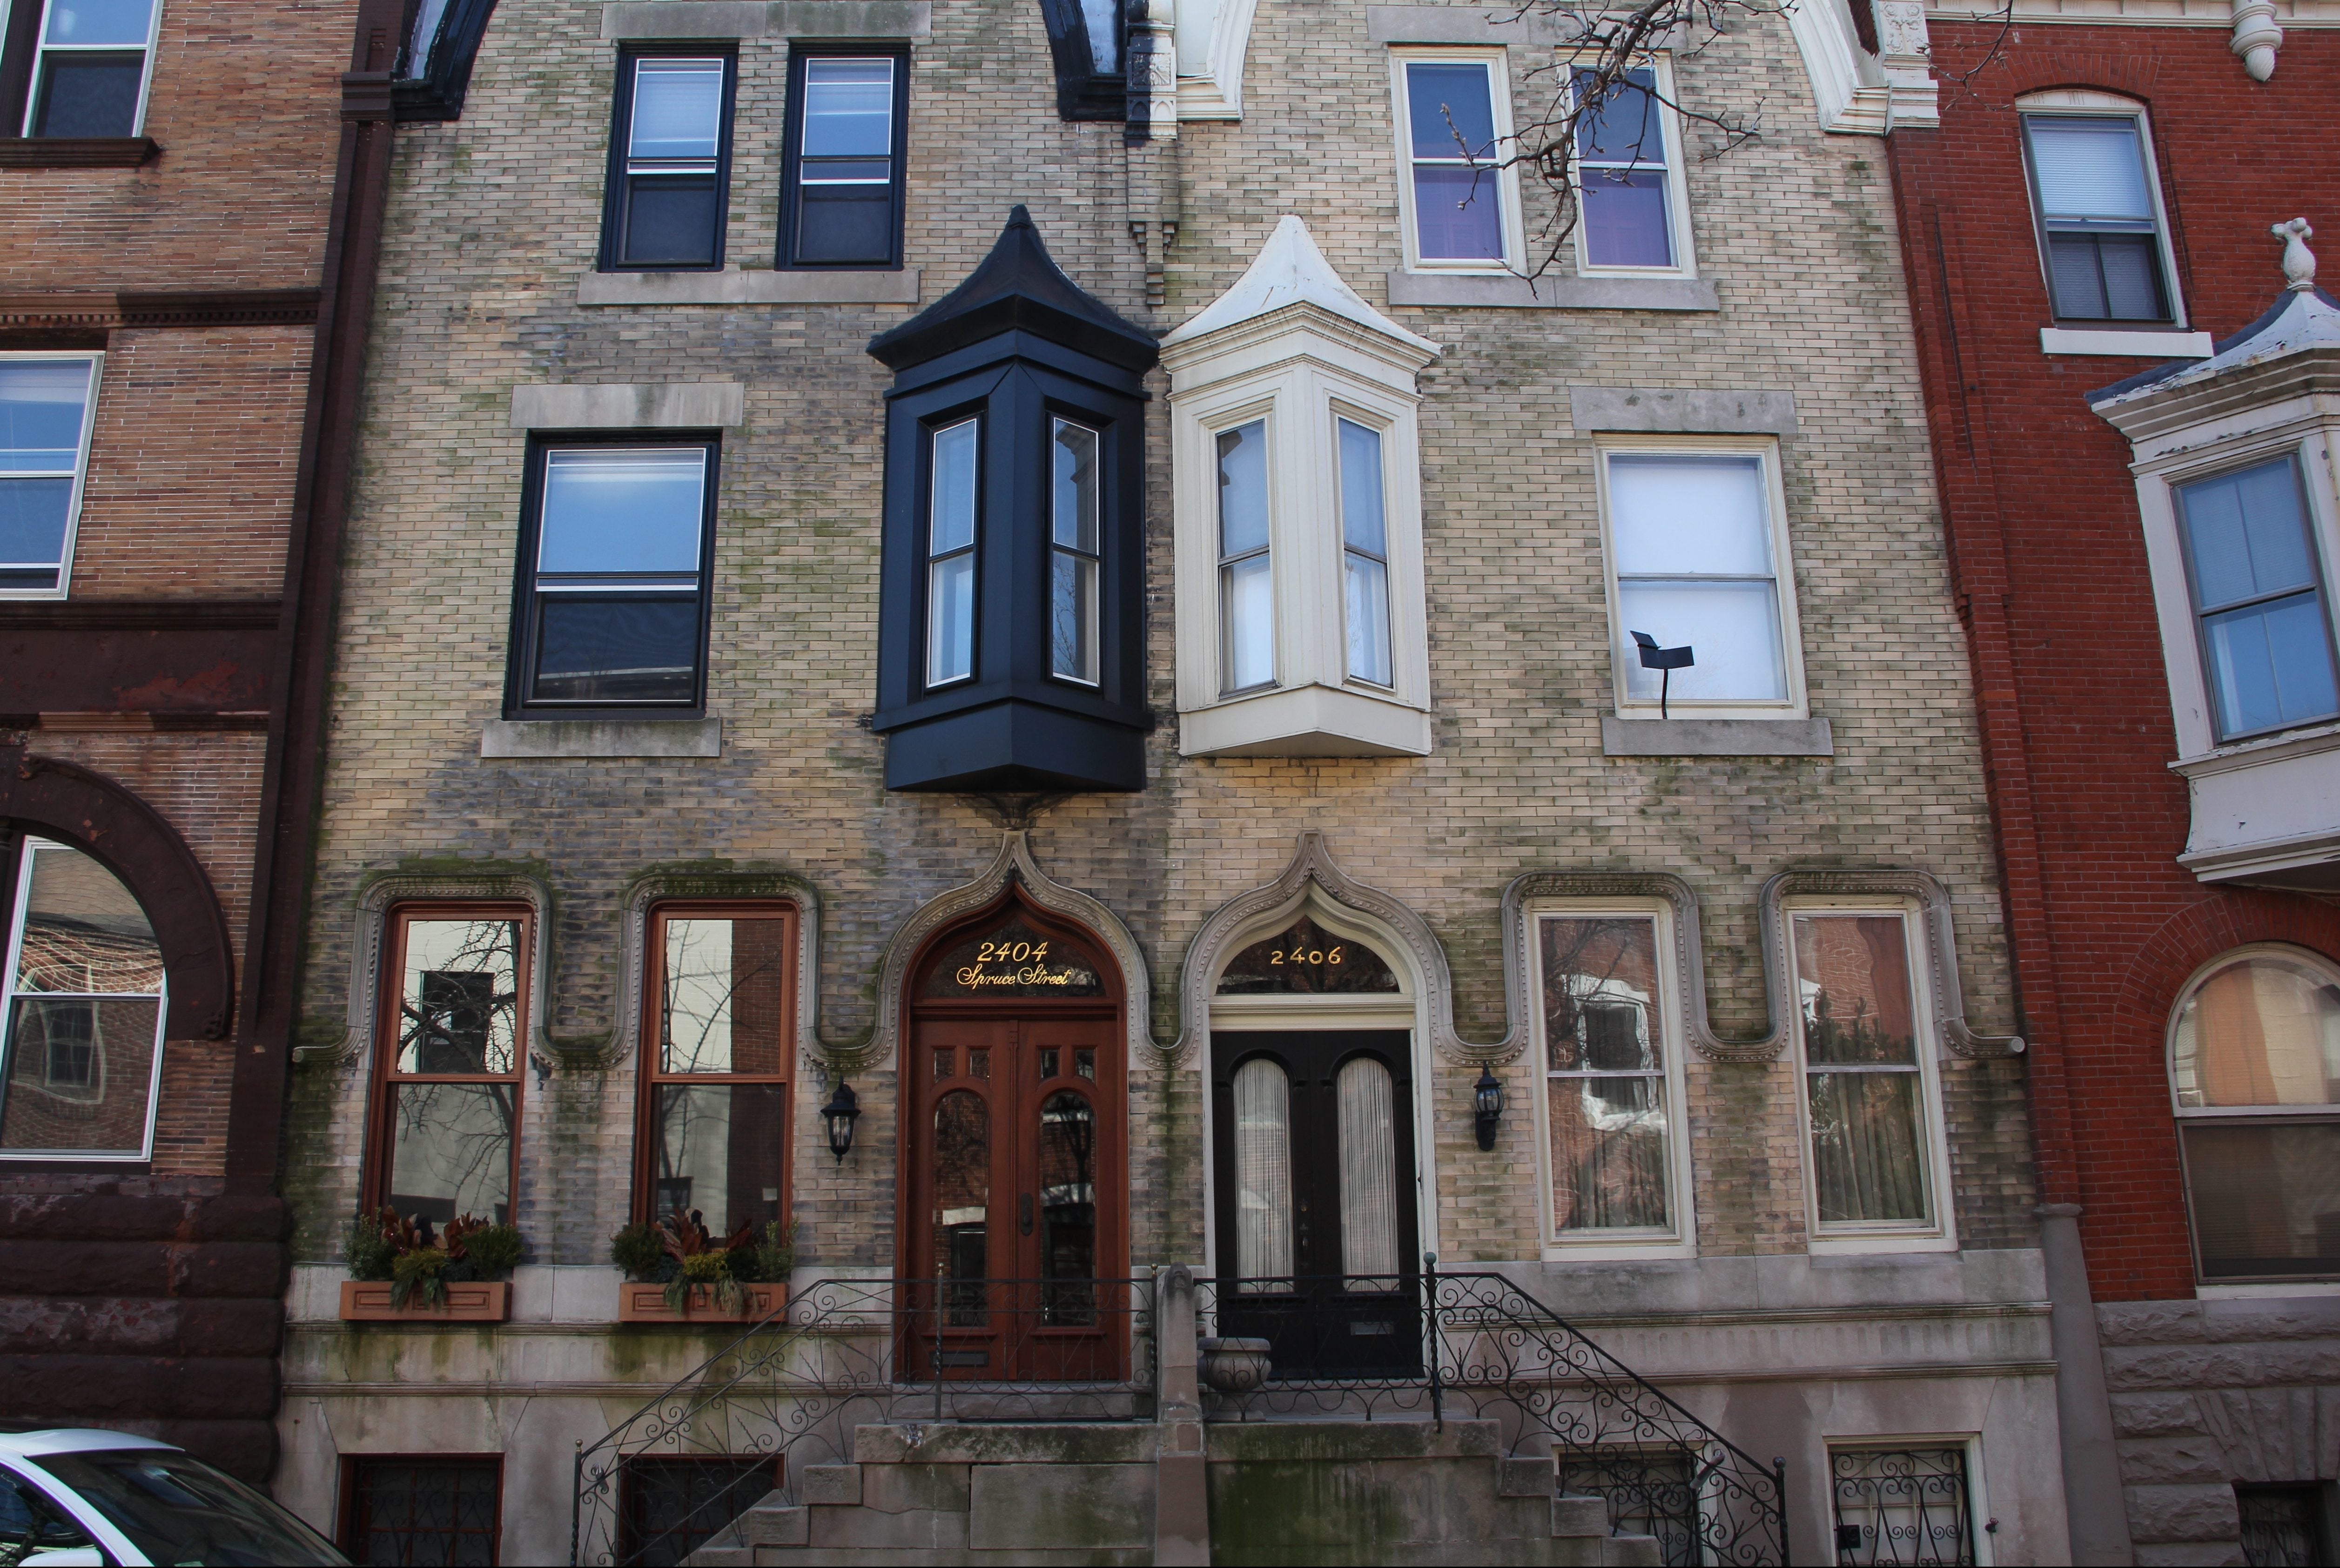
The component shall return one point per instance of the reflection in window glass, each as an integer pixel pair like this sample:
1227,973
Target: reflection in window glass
717,1147
2252,567
617,588
1621,151
1262,1137
85,1011
2258,1035
1605,1074
42,404
1068,1210
1458,209
1072,554
962,1205
950,555
174,1508
670,208
845,191
1691,539
1245,587
1864,1085
92,64
450,1149
719,1153
1364,539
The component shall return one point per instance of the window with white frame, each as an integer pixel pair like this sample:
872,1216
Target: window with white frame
1301,628
81,1045
1613,1132
2103,236
1632,213
90,67
1460,208
1697,558
2255,1071
1875,1160
2258,598
44,422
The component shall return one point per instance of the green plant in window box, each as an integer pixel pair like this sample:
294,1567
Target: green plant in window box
682,1254
420,1264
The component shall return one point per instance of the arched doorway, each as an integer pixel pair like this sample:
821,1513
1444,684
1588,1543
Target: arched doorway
1315,1190
1014,1153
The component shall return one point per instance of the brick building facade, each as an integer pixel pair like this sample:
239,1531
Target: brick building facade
2136,874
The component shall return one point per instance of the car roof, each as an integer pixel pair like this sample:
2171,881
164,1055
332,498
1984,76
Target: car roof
74,1440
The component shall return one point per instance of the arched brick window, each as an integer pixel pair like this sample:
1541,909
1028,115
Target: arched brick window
2254,1070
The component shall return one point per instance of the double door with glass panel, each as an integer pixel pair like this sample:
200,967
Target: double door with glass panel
1315,1197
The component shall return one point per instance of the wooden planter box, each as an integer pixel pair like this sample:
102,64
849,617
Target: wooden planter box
368,1301
647,1303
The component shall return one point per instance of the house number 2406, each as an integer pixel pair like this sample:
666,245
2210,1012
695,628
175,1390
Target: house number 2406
1304,956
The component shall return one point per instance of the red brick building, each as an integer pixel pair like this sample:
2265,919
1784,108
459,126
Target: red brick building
187,226
2095,286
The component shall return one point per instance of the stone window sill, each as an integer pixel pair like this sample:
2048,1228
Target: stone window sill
75,151
1715,737
767,286
1467,290
603,738
2116,341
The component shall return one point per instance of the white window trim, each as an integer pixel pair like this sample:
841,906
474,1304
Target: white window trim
1677,186
1506,177
8,994
1797,704
1970,1443
2083,103
95,359
145,71
1680,1240
2231,1116
1941,1233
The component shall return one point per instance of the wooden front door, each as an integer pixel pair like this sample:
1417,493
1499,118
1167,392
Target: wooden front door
1314,1176
1018,1213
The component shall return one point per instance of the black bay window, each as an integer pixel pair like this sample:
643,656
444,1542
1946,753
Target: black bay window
841,175
669,162
1011,647
611,609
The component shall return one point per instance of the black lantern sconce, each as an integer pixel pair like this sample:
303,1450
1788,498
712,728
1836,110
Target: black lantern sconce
841,1112
1487,1100
1668,659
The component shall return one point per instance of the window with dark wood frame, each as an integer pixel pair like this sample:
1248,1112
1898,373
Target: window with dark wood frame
670,179
841,172
719,1042
452,1031
422,1508
671,1505
617,551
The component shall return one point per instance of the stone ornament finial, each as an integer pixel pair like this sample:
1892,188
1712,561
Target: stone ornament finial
2256,36
2299,261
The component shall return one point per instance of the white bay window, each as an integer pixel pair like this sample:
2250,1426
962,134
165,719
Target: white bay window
1300,620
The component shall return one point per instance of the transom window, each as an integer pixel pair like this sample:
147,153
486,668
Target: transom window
2099,217
670,176
45,404
1626,171
1454,116
614,608
2254,1070
2258,598
90,69
81,1049
716,1057
446,1117
841,198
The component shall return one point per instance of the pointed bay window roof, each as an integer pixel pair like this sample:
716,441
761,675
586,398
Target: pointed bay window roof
1018,287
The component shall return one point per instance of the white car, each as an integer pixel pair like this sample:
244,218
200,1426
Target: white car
92,1498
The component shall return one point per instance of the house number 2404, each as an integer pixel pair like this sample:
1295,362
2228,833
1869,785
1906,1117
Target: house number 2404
1011,952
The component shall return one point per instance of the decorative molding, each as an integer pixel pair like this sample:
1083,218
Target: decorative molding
644,19
644,738
76,152
143,615
158,308
625,1034
1212,89
2131,13
376,894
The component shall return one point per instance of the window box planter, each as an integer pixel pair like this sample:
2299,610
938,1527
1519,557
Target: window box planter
368,1301
647,1303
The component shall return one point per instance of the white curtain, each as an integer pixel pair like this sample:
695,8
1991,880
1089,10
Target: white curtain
1262,1173
1368,1170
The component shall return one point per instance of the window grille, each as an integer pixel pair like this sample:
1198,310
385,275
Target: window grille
1905,1506
2282,1526
435,1511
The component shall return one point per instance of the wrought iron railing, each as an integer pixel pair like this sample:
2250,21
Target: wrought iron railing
1435,1344
789,1391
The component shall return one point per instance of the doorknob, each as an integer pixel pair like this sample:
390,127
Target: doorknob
1024,1214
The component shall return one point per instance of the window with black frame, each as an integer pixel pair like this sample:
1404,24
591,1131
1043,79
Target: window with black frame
612,602
669,163
841,181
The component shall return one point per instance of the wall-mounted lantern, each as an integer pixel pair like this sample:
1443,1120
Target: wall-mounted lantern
841,1112
1487,1100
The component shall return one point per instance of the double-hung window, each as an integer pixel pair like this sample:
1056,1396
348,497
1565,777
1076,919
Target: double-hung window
44,422
447,1100
2258,598
842,177
2099,215
1461,205
81,1043
955,471
1875,1160
1364,553
1246,586
612,604
1698,560
1074,548
715,1096
1628,179
669,163
90,67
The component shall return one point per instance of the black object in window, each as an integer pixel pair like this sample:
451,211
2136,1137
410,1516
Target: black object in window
1085,39
669,163
425,1510
672,1508
616,542
842,166
434,66
2282,1526
1011,649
